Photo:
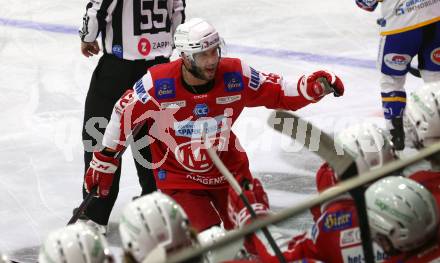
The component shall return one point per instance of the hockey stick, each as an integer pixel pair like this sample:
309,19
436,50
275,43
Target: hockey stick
415,72
329,194
239,191
89,197
82,207
341,161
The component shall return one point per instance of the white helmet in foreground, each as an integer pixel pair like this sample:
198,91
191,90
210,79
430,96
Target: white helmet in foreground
402,211
77,243
194,36
369,144
422,115
4,258
228,252
153,223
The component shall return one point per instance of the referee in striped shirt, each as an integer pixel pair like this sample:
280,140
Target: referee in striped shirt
136,34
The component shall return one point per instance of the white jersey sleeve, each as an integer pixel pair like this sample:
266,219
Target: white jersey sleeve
404,15
97,13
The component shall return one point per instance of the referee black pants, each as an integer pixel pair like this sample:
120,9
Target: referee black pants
111,78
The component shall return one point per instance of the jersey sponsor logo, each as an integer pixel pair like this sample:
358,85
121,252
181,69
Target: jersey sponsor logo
350,237
397,61
337,221
254,82
173,104
193,156
356,254
233,81
435,56
141,93
399,10
206,180
165,88
210,41
228,99
162,174
161,44
144,46
201,96
193,129
413,5
117,51
201,110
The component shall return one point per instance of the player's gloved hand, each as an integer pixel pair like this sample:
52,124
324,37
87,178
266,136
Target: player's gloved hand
313,87
101,171
244,179
257,197
368,5
89,49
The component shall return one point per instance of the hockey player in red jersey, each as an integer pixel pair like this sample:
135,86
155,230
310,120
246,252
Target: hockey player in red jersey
200,93
404,220
335,235
417,238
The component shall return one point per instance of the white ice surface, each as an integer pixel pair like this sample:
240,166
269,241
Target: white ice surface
44,80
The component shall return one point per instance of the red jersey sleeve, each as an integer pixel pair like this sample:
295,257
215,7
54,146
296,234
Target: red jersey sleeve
296,248
133,109
271,90
430,180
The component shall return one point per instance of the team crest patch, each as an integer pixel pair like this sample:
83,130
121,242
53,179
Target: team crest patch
140,91
165,88
337,221
233,81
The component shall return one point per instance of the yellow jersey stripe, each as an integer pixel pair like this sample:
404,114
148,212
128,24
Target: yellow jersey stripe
392,32
394,99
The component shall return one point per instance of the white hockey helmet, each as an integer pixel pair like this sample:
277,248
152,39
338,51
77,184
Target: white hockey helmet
228,252
152,223
369,144
402,210
195,36
77,243
422,115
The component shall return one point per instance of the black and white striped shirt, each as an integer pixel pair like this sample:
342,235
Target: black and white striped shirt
133,29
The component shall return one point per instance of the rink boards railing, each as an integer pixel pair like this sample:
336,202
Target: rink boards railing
339,189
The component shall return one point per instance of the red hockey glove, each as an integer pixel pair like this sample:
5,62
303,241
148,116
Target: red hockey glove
237,211
312,88
244,179
101,171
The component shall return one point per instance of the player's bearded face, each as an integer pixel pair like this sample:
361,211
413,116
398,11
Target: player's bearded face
205,63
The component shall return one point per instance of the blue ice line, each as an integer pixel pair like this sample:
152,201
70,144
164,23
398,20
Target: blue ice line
38,26
266,52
